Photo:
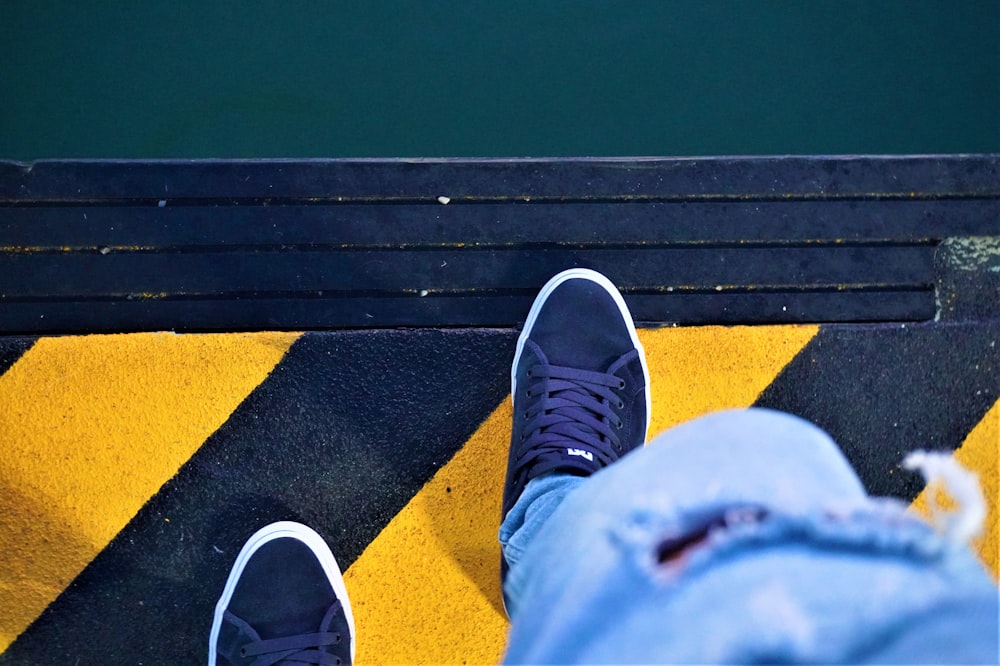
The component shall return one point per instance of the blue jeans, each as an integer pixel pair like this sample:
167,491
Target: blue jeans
742,536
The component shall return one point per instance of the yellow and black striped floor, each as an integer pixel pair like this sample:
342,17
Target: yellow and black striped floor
135,466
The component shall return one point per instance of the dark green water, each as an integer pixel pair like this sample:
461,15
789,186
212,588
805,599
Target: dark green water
172,78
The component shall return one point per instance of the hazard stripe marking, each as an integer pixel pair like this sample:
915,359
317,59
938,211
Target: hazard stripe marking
340,436
979,453
882,391
357,431
427,589
93,427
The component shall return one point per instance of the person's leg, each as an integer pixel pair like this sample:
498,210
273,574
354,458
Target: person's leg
284,602
742,536
735,458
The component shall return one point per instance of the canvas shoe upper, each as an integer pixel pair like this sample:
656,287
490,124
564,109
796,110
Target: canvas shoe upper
284,603
579,383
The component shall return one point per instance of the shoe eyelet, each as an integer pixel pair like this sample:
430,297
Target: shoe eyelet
243,652
620,425
621,384
528,373
337,639
621,404
527,393
527,415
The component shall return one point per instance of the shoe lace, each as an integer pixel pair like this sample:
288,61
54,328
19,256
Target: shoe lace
289,650
570,408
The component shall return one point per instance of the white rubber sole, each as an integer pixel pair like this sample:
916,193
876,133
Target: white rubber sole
608,285
280,530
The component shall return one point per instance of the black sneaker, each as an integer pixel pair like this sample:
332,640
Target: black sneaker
579,382
284,603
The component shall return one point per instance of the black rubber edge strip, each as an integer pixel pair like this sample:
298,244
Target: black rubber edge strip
255,314
405,226
765,178
75,275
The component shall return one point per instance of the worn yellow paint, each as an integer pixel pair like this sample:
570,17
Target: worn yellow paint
92,427
427,591
979,453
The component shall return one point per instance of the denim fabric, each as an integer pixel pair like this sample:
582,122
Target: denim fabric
788,559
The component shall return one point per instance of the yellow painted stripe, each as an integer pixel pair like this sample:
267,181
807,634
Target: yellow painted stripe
427,589
92,427
979,453
694,371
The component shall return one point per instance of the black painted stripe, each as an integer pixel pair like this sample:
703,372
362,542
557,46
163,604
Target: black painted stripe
11,349
886,390
341,435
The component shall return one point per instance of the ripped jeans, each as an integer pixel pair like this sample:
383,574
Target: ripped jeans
742,536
